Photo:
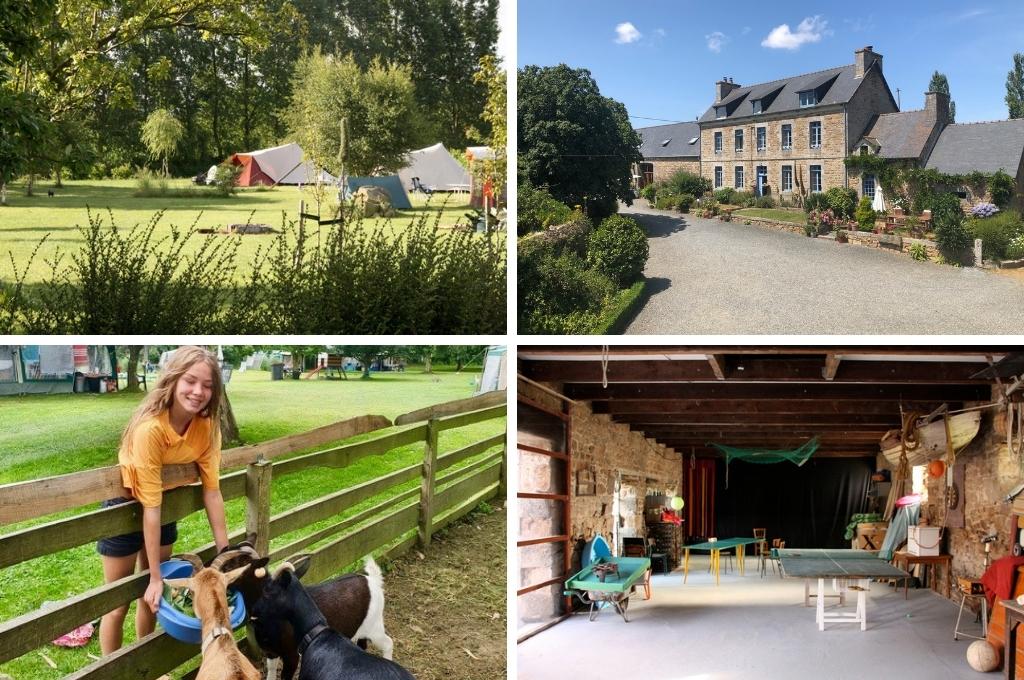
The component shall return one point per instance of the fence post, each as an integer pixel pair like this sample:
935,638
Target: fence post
503,475
257,505
427,483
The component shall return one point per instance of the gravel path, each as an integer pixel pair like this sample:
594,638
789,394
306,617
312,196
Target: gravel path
712,277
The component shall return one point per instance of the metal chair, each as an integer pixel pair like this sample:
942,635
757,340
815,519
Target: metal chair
972,588
760,533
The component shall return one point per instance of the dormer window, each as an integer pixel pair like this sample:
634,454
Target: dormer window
666,142
864,150
720,112
808,98
756,104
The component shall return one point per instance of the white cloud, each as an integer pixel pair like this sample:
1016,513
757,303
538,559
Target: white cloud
746,29
716,40
627,33
810,30
972,14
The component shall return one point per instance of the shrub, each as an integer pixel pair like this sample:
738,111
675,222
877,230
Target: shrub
744,199
649,192
1001,187
1015,248
618,249
764,202
123,171
918,251
227,176
666,202
539,210
683,182
950,233
995,232
865,215
816,202
725,195
708,208
685,202
557,293
841,200
984,210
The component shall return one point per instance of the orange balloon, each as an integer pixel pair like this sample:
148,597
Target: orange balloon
936,468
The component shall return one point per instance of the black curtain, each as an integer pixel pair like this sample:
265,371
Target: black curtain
807,506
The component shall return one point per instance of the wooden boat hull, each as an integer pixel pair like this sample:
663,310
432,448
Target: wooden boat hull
932,439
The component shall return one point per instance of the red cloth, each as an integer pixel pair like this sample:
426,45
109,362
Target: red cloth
669,516
998,578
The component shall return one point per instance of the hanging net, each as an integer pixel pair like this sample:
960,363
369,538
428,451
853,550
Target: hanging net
797,456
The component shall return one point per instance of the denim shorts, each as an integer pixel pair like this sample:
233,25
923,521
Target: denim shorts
129,544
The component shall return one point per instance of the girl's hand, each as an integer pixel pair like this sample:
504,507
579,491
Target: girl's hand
153,594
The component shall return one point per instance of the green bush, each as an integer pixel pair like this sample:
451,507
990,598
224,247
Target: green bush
764,202
725,195
666,202
996,232
685,201
557,293
539,210
842,201
227,177
618,249
744,199
1015,248
918,251
683,182
816,202
865,215
123,171
649,192
1001,188
951,235
708,207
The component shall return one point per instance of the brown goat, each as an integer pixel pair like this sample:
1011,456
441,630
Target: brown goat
222,660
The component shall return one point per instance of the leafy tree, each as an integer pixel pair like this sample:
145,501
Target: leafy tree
379,104
161,133
365,354
1015,87
23,127
460,355
573,140
939,83
493,77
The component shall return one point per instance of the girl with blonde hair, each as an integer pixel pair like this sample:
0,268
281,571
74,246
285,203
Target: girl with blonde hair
177,423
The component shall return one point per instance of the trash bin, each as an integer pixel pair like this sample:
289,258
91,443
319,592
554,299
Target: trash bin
79,383
277,371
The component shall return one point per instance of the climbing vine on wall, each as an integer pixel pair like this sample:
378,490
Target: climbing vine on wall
918,187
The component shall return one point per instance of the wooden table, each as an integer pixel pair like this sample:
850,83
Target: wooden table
928,561
1014,615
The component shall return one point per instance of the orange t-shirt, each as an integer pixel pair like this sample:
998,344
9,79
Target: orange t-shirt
154,443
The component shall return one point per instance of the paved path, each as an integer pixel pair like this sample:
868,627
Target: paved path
712,277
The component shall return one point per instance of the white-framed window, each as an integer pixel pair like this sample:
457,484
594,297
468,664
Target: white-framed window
718,142
739,140
787,178
814,135
867,186
720,112
787,136
808,98
718,176
739,176
815,179
756,105
762,138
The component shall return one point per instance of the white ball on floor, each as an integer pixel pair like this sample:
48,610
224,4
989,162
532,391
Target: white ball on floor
982,656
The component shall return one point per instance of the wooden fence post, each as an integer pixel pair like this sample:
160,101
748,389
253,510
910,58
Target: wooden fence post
427,483
503,478
257,505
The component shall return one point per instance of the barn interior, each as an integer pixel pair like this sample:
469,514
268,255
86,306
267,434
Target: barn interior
697,490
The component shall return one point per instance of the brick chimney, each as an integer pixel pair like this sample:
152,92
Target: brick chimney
936,104
863,59
723,87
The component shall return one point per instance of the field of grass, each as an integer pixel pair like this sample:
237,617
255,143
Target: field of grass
27,220
45,435
780,214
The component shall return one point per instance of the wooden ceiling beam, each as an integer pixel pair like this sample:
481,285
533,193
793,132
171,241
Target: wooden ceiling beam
880,420
712,407
883,350
757,391
832,361
717,363
662,430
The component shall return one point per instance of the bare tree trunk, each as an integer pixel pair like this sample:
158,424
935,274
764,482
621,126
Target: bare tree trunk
132,369
31,184
59,184
3,193
228,426
426,363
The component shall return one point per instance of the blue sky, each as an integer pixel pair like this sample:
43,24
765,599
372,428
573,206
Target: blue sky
661,59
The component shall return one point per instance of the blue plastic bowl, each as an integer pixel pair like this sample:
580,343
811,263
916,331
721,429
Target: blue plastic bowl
186,628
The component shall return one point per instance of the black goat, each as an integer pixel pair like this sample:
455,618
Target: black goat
326,655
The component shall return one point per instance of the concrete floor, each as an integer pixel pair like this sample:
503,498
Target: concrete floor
749,627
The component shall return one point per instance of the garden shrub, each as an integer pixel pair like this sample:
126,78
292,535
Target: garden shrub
764,202
685,201
618,249
227,177
123,171
918,252
649,192
708,208
558,294
1015,248
1001,188
683,182
744,199
570,237
995,232
951,235
816,202
666,202
725,195
984,210
538,210
865,215
841,200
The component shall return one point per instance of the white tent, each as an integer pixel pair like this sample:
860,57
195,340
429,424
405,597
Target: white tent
277,165
436,169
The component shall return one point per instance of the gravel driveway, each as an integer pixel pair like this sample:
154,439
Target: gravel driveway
712,277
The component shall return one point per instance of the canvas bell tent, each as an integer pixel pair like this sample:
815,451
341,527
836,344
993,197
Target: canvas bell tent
277,165
436,169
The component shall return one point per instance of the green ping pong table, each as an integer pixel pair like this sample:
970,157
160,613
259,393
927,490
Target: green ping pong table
716,547
850,570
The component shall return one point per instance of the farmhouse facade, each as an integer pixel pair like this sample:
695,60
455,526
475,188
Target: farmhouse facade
667,149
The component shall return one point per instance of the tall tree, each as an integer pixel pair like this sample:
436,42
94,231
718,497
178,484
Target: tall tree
939,83
1015,87
573,140
161,133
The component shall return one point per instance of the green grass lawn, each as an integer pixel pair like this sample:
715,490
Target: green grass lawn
780,214
27,220
45,435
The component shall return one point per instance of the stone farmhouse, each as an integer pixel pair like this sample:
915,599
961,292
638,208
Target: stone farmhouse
789,137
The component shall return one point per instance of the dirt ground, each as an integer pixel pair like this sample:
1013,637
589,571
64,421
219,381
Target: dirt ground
445,608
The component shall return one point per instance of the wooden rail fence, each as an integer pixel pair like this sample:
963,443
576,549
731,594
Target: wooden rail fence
443,496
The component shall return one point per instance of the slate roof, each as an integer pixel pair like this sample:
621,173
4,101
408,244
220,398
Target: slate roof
678,136
834,85
983,147
901,135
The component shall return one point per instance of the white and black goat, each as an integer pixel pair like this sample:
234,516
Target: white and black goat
325,654
353,604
